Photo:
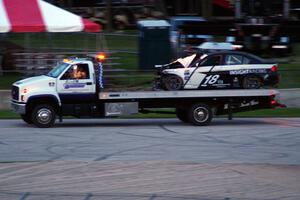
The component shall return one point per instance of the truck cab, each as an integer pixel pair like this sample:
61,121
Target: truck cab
62,91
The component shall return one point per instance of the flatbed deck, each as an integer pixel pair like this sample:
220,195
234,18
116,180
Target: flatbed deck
187,94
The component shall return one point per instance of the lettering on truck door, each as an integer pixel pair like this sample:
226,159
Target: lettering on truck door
76,85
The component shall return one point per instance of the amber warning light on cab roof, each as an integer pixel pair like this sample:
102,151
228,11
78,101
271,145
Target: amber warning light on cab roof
101,57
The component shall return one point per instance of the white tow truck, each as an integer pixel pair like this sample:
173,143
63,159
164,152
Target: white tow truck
75,88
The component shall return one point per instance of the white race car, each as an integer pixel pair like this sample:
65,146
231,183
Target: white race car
220,70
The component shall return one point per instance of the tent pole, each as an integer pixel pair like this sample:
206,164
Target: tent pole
86,41
2,38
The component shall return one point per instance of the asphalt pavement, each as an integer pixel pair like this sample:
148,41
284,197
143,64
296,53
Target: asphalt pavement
265,140
246,158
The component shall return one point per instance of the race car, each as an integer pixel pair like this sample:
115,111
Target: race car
218,70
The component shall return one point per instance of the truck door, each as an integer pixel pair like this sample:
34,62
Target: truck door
77,84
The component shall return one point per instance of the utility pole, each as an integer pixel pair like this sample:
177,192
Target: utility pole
206,9
108,16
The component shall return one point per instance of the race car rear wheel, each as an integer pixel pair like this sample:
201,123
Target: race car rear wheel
200,114
182,114
252,82
172,82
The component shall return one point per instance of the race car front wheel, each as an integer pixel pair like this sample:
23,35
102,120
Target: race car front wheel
172,82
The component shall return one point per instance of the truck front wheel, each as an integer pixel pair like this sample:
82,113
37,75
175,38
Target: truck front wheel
43,116
26,118
200,114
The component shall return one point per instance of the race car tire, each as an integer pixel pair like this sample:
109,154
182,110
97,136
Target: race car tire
27,118
182,115
200,114
43,116
172,82
156,85
252,82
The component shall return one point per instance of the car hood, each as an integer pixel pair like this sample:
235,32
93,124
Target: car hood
36,80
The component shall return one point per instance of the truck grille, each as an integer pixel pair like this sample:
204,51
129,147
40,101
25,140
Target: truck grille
15,93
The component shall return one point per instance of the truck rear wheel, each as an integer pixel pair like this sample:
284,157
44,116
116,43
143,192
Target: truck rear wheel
26,118
200,114
182,114
43,116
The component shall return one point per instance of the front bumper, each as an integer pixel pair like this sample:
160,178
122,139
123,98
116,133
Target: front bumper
19,108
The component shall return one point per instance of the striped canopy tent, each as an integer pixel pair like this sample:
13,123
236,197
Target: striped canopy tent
40,16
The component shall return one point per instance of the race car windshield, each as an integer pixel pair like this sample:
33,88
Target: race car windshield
55,72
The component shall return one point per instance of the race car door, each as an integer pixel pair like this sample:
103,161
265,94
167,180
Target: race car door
77,84
202,73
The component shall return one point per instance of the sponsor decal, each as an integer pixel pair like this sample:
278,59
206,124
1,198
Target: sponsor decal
247,71
51,84
75,84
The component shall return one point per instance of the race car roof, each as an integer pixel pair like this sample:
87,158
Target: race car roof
249,55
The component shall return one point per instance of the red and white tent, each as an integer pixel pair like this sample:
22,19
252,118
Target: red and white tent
40,16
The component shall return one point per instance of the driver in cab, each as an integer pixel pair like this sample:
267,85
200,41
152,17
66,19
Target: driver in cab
79,72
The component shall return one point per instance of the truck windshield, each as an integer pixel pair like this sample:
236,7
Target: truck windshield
55,72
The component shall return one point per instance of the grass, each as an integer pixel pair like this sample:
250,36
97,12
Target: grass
278,112
8,114
289,75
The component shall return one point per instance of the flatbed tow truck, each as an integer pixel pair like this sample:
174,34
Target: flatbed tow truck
40,100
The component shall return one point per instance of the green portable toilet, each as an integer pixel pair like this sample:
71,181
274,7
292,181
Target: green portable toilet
154,43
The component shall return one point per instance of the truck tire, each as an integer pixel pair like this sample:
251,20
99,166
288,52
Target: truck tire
43,116
200,114
26,118
182,115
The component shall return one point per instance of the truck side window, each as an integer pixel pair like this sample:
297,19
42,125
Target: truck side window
77,71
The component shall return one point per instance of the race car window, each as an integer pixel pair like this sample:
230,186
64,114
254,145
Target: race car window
236,60
246,60
233,60
212,61
77,71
